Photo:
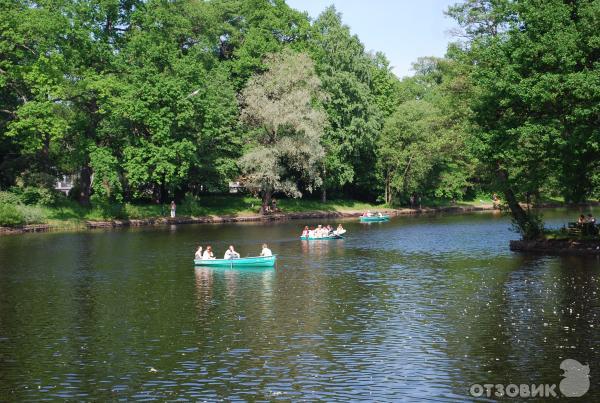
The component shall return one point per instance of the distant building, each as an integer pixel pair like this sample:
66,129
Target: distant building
235,187
65,184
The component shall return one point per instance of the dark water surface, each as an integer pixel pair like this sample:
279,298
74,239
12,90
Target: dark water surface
414,308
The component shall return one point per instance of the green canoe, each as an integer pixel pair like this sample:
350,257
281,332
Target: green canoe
374,218
255,261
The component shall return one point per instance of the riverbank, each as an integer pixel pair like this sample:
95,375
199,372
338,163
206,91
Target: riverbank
230,209
346,209
558,246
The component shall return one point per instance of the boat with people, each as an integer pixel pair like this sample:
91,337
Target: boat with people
370,217
325,238
322,233
252,261
233,259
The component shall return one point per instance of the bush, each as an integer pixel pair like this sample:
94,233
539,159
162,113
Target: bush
36,195
31,214
190,206
13,212
9,198
107,209
10,216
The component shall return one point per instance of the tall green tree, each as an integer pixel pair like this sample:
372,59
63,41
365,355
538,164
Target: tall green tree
355,118
408,148
251,29
281,106
537,96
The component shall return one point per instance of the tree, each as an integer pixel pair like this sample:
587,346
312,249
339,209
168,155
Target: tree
352,107
536,99
251,29
409,147
281,106
423,146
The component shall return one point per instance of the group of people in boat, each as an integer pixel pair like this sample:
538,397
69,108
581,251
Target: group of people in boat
587,225
230,253
590,219
322,231
369,214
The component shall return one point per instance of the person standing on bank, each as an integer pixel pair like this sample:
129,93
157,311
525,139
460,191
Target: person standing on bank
173,208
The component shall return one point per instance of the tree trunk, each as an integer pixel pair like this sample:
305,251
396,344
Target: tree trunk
157,193
163,193
385,193
324,187
85,183
266,201
388,193
516,210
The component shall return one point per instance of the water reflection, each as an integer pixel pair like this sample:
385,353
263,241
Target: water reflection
418,307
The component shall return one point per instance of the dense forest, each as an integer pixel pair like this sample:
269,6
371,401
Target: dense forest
151,100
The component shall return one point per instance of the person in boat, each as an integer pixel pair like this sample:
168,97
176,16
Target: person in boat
368,214
305,231
379,214
231,253
329,230
208,253
265,250
340,230
198,254
581,220
591,219
319,231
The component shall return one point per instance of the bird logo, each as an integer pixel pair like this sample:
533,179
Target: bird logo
577,379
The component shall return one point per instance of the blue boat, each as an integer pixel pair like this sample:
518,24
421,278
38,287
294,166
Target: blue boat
326,238
374,218
254,261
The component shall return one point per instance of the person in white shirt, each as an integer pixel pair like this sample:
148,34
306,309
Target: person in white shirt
198,254
231,253
340,230
208,254
266,251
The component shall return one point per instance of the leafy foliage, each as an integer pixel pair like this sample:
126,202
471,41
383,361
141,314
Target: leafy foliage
281,104
153,100
537,96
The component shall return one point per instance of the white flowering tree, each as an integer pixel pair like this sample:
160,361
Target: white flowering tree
282,107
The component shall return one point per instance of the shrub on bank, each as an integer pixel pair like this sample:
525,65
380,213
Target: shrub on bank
10,216
33,195
13,212
31,214
9,198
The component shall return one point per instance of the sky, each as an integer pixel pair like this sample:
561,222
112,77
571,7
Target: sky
402,29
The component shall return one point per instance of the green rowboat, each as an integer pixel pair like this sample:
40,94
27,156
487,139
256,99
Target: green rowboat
375,218
255,261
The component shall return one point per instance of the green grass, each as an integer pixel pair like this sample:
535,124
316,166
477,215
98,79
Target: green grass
563,234
70,213
299,205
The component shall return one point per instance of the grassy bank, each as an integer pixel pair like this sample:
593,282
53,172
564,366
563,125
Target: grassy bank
64,213
69,214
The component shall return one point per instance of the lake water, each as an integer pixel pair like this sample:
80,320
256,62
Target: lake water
420,307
